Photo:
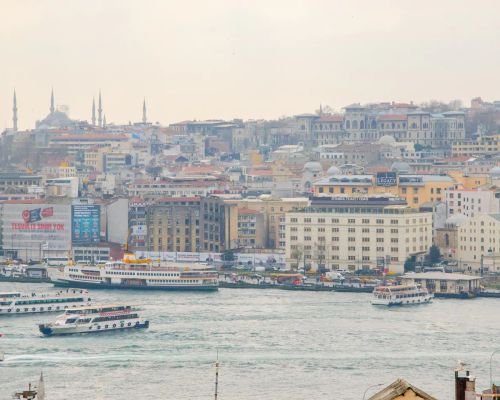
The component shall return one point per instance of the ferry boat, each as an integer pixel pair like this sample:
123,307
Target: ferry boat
99,318
400,295
132,273
17,303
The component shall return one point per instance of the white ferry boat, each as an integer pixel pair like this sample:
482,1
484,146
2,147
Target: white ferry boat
400,295
99,318
132,273
17,303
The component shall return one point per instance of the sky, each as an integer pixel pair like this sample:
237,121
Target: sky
242,59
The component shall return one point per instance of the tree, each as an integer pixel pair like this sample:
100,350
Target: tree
228,255
434,254
410,264
296,255
418,147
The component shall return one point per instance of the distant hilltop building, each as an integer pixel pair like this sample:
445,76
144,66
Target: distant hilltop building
58,118
404,122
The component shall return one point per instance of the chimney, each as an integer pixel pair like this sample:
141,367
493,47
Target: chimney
465,386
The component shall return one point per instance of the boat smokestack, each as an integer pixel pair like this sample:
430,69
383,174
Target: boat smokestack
465,386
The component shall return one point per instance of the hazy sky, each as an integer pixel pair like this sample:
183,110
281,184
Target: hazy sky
246,59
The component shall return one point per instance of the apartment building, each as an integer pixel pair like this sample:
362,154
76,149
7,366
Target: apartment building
416,189
151,190
471,202
173,224
482,146
273,210
357,234
218,224
251,232
479,243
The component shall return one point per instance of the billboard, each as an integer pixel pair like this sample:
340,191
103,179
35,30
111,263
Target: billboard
86,223
36,227
387,179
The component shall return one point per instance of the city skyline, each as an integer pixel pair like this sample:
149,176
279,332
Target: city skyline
278,59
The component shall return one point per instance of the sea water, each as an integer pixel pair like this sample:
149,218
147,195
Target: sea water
271,344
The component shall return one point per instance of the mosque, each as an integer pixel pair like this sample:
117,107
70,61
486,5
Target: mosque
58,119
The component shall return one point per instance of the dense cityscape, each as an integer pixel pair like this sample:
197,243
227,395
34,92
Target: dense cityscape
278,200
413,176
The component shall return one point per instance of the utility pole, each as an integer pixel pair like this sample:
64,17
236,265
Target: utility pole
216,375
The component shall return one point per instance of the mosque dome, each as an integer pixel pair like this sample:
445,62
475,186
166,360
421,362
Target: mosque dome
387,140
312,166
495,171
401,167
333,170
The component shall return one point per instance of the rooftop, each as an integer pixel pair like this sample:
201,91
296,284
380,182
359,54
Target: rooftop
442,276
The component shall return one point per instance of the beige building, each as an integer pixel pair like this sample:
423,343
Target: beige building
273,210
479,242
219,224
251,232
485,145
174,224
356,234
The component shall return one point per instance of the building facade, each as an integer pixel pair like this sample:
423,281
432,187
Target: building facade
345,235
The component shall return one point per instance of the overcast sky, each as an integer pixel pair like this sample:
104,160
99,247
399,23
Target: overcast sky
242,59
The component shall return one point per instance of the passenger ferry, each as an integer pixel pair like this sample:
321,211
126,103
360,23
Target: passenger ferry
132,273
16,303
99,318
400,295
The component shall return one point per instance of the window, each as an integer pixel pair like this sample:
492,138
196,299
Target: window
351,221
351,230
380,221
365,221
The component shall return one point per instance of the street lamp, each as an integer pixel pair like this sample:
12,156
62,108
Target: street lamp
371,387
491,370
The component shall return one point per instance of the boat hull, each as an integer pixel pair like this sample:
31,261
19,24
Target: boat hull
403,302
101,285
50,330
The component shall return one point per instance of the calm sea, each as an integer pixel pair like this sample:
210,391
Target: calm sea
272,344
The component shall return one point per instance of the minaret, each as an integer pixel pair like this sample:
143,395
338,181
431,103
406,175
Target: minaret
144,119
52,108
93,111
104,121
99,111
14,113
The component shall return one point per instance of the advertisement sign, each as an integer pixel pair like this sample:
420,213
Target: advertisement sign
86,223
387,179
36,227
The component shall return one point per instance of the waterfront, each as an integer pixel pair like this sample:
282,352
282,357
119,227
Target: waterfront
272,344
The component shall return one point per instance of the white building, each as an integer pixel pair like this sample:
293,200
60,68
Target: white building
479,242
357,234
471,202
